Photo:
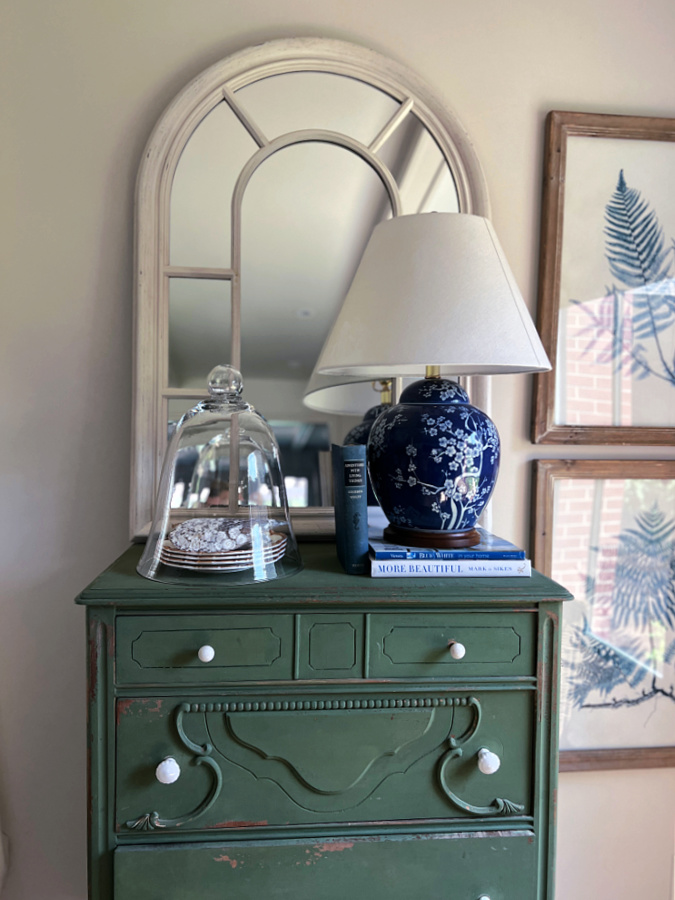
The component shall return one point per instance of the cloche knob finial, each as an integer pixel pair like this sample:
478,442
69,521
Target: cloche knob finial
225,381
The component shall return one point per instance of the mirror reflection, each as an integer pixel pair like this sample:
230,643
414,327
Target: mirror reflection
300,247
199,329
302,448
306,215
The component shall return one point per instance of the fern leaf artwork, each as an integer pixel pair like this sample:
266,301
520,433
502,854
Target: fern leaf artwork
639,259
635,245
645,572
669,655
626,328
602,666
625,668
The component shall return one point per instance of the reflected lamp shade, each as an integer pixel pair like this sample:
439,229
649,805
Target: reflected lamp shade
433,292
340,396
343,396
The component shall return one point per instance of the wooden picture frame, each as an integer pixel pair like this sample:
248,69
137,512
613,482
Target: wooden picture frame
605,529
603,322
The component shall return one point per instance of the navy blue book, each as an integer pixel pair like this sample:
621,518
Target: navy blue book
490,547
350,489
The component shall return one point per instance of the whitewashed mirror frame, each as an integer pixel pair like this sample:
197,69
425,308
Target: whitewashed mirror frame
153,193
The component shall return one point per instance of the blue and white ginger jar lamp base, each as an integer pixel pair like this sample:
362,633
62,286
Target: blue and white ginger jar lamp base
433,461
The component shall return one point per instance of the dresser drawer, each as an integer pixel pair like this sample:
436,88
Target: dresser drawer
165,649
462,866
420,646
257,760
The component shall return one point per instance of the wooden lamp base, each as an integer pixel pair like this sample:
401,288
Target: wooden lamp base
409,537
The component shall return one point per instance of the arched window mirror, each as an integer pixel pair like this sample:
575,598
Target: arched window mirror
257,193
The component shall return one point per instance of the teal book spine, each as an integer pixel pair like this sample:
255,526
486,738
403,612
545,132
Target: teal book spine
350,489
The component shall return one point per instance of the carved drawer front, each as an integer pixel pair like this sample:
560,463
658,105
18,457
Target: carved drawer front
248,761
203,649
452,645
467,866
330,646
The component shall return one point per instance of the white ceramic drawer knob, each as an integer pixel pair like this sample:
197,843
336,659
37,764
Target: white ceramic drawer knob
206,653
488,762
483,897
457,650
167,771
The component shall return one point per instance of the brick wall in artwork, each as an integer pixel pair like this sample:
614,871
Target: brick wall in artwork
587,521
598,386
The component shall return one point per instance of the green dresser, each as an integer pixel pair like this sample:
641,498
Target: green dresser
322,737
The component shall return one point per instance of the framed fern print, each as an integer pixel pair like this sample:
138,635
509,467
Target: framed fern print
606,530
607,281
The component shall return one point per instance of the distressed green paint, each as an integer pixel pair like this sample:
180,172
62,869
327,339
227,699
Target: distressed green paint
100,754
322,582
295,766
500,865
330,646
546,743
163,649
416,646
333,714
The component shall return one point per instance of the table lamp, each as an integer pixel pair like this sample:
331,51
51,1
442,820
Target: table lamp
433,292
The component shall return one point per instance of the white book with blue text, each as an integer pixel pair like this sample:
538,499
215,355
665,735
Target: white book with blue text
456,568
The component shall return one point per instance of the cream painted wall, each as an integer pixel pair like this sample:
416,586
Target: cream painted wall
81,85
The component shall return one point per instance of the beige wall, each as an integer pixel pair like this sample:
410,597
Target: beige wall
82,83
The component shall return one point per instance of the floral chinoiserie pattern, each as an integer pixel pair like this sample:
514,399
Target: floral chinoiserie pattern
360,433
439,458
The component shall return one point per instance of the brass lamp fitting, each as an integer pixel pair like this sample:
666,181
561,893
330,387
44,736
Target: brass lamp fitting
384,387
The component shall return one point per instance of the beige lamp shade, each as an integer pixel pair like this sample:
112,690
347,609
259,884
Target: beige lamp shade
432,289
340,395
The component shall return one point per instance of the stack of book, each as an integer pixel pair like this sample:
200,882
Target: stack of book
359,536
492,557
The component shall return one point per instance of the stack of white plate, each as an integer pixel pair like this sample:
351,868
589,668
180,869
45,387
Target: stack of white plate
224,561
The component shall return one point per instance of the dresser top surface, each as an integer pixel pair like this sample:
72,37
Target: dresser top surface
322,583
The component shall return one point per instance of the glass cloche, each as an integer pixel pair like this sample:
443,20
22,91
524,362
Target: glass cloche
221,507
